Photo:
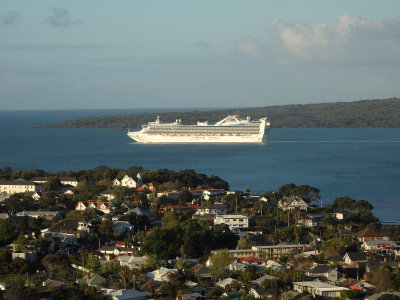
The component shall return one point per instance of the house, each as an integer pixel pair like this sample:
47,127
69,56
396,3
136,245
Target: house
30,256
251,260
112,251
276,251
107,195
218,209
237,266
65,233
34,195
367,235
176,208
354,257
161,274
258,282
323,272
207,194
142,212
273,265
132,262
19,186
378,246
103,206
146,187
233,221
225,282
46,214
72,181
291,203
122,226
258,293
318,289
129,182
92,279
127,294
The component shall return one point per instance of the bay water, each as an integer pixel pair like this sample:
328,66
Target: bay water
362,163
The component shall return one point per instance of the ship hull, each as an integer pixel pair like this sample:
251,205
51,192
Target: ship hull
158,139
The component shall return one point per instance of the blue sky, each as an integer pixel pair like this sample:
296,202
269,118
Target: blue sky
210,53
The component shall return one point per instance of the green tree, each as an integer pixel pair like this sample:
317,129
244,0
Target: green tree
220,259
20,243
7,232
244,243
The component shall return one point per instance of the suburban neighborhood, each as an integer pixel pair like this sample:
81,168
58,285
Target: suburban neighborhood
107,233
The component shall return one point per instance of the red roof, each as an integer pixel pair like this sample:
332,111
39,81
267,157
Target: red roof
251,259
176,206
367,232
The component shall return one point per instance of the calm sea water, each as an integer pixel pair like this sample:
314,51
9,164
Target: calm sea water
359,163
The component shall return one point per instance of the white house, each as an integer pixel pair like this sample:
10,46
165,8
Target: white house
317,288
233,221
211,210
291,203
129,181
105,207
19,186
128,294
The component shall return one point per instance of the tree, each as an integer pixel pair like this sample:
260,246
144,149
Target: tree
7,232
220,259
305,192
53,184
120,192
106,228
54,262
92,263
244,243
20,243
185,197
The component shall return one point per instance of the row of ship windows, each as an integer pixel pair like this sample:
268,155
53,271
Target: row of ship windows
244,130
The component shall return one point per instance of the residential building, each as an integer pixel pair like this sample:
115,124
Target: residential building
233,221
72,181
368,234
318,289
291,203
354,257
129,182
19,186
323,272
103,206
218,209
276,251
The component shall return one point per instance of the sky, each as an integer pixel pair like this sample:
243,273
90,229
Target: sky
98,54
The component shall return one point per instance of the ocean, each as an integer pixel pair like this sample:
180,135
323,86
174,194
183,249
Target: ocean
359,163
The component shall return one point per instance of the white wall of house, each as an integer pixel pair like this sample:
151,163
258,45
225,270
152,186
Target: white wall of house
233,221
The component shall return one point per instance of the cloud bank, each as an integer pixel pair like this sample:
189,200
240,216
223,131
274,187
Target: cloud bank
61,17
9,19
350,39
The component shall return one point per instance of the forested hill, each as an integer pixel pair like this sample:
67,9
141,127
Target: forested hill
364,113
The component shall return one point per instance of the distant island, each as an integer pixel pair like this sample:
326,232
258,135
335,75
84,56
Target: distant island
357,114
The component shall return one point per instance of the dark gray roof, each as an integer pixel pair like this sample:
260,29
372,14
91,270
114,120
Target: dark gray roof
320,269
66,225
16,182
357,256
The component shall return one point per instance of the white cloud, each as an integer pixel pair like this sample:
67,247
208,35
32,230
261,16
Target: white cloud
350,39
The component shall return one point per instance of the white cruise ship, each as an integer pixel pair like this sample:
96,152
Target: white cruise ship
229,130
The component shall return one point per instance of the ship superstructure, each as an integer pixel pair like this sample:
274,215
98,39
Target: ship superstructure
232,129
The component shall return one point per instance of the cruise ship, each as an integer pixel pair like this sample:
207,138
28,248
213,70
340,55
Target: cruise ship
232,129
